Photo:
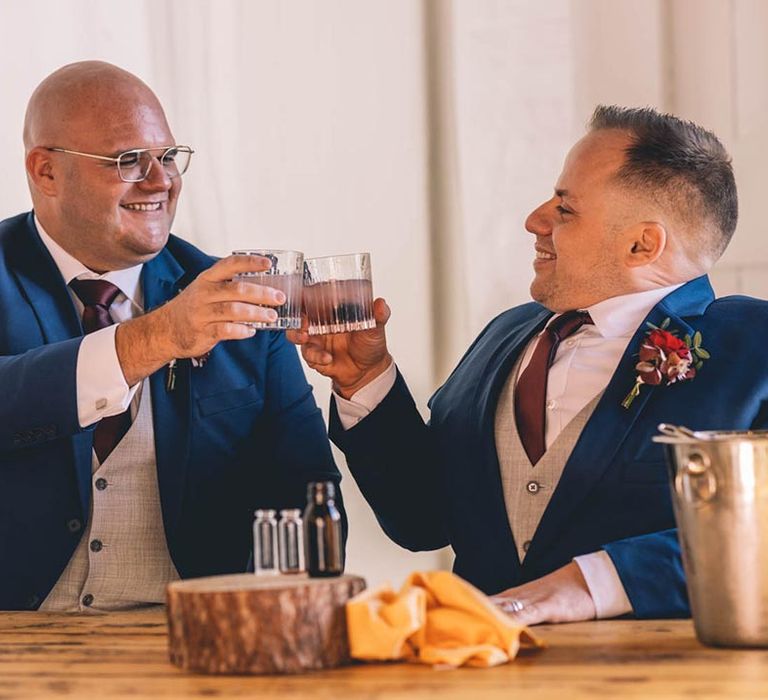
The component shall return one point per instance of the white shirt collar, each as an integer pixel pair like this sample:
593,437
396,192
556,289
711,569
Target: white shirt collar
128,281
620,316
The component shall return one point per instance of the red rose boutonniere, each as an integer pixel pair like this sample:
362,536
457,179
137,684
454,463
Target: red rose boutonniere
664,356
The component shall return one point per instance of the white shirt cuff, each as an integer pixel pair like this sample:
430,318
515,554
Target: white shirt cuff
604,584
101,387
352,411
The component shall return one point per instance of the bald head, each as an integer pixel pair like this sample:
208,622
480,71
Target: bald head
70,103
79,119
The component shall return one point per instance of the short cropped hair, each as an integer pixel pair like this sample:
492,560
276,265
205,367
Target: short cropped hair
682,166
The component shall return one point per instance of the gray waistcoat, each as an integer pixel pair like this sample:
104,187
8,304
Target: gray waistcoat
527,489
122,560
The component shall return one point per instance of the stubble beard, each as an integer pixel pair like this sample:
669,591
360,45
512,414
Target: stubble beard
545,292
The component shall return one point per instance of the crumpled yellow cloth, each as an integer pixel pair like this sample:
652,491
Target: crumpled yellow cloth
436,618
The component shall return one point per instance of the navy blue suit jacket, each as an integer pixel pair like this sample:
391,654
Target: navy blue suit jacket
437,484
239,433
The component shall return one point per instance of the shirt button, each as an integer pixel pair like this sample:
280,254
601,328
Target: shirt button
570,343
101,403
526,545
96,545
74,525
551,404
101,484
87,600
533,487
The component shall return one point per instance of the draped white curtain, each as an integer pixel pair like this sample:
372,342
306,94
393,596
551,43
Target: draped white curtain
420,130
525,78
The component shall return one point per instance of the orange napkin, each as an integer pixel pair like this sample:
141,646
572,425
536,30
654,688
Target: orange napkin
436,618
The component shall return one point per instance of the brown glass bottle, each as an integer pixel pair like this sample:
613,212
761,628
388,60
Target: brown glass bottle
322,531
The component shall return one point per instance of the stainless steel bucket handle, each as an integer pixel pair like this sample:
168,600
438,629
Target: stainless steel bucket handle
680,432
695,482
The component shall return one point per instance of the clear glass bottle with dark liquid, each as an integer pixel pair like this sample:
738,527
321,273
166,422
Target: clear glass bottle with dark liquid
322,531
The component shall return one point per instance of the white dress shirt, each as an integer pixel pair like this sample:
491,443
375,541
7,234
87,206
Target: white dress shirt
583,367
101,387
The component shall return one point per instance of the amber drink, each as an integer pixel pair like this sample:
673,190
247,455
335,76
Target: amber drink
338,294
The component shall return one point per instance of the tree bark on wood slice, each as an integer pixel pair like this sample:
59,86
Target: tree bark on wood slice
250,624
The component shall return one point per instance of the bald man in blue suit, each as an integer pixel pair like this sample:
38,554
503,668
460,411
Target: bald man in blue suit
221,418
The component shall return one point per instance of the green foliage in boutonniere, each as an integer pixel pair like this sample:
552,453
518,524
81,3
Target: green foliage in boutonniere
664,356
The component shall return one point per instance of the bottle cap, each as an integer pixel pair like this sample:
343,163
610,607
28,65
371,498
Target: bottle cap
290,513
264,513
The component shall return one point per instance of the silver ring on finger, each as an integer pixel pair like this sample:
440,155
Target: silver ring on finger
512,605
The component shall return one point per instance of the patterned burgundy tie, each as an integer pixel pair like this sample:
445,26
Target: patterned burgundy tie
531,389
97,296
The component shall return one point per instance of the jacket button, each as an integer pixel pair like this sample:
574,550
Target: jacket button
101,484
533,487
74,525
87,600
526,545
96,545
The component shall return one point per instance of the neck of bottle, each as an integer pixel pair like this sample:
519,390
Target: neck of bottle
321,493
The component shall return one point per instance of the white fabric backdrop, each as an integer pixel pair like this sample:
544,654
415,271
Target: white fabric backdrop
421,130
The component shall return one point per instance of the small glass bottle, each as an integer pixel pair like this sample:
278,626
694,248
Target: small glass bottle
265,543
322,531
290,536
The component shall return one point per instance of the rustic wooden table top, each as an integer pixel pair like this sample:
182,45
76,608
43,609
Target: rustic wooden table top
122,655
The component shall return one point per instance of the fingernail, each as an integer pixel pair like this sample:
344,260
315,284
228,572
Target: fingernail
279,296
272,315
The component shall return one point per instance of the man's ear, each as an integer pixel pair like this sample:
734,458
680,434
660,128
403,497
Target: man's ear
40,170
645,243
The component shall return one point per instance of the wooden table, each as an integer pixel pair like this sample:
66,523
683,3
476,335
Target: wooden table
122,655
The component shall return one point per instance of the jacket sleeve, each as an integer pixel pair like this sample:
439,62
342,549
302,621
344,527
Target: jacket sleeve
651,571
39,395
299,447
391,455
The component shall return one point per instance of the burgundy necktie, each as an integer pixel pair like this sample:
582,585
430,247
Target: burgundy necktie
531,389
97,296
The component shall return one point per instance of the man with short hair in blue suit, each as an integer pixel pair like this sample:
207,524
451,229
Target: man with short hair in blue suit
136,454
537,465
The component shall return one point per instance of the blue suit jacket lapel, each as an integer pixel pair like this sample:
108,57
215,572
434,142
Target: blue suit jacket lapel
610,422
44,286
162,279
501,362
498,367
47,294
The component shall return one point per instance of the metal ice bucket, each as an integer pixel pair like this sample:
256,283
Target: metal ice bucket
720,496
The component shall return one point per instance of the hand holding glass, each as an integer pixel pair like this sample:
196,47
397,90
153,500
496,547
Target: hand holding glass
285,275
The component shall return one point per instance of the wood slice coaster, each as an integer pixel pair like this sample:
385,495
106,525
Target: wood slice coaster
243,623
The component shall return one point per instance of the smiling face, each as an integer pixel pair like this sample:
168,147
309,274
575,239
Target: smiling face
82,203
580,250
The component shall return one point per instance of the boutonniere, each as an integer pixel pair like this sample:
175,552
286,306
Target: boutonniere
664,356
200,360
170,377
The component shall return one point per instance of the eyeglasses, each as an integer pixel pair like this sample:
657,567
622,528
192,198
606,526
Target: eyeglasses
134,165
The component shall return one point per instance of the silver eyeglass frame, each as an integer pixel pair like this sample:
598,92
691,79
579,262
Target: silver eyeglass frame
116,159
